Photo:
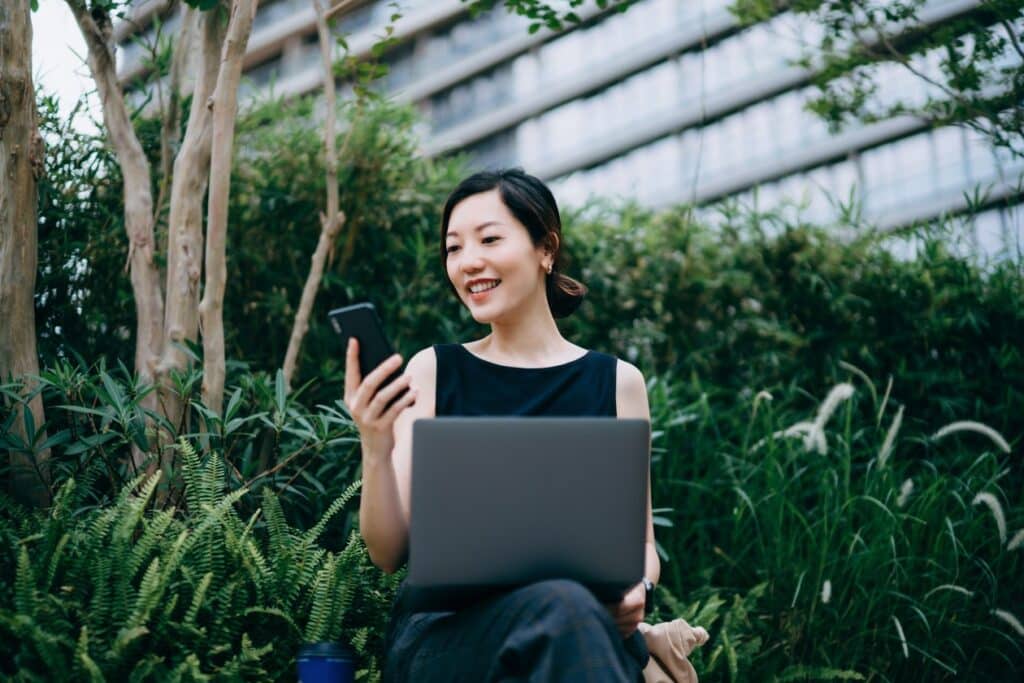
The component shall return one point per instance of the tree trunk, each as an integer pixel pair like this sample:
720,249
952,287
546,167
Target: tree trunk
185,225
331,222
21,161
138,197
224,104
170,130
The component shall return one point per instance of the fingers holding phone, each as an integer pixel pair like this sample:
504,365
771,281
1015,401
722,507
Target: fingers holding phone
377,398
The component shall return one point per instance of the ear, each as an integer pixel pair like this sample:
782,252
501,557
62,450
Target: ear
550,247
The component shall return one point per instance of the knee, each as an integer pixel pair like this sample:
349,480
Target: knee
563,599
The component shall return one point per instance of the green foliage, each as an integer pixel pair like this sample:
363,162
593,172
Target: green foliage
764,301
824,553
122,591
82,293
553,15
979,82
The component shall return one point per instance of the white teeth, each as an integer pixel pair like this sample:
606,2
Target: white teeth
483,286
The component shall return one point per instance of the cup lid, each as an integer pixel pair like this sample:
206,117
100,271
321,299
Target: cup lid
325,649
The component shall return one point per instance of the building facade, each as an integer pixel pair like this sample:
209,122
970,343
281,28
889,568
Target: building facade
672,101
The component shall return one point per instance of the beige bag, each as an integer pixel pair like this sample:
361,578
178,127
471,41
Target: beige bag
670,643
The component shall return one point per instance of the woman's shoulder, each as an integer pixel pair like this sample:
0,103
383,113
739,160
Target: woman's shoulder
628,377
423,364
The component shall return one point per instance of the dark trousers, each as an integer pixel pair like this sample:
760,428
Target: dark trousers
547,631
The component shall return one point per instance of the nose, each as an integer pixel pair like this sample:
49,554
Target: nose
471,261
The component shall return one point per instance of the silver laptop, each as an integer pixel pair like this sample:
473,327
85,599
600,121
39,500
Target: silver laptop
499,502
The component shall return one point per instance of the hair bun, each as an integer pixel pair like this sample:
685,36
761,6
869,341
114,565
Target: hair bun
564,294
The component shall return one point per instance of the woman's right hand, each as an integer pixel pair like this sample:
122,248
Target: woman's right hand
367,401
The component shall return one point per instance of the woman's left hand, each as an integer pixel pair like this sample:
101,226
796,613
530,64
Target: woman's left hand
628,613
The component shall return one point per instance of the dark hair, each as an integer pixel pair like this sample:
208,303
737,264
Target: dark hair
533,205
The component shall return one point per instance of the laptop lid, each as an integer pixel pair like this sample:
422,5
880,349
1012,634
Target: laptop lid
499,502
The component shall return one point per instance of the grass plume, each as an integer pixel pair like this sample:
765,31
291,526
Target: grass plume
972,426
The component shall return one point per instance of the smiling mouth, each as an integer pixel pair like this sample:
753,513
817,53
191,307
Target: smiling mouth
481,287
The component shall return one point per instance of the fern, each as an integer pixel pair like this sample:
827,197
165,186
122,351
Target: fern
339,503
99,612
55,558
277,527
84,664
197,599
321,599
25,585
153,535
192,473
346,571
131,509
150,591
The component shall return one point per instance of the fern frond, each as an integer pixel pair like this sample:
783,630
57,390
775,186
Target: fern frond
188,538
126,637
145,669
25,585
62,501
339,503
360,639
55,558
148,595
191,473
347,575
321,600
257,565
84,663
100,527
132,508
302,576
156,527
100,607
190,666
277,527
197,598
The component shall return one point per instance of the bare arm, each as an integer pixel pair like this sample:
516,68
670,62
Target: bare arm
631,402
387,463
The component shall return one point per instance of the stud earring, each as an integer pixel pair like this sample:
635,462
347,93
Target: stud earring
549,269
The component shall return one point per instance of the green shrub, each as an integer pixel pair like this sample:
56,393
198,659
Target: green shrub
195,591
870,546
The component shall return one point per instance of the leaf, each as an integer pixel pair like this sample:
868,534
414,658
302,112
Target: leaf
61,437
30,423
280,392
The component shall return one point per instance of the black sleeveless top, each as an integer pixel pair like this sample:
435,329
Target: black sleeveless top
468,385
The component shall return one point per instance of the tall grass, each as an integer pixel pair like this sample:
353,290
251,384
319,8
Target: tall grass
882,551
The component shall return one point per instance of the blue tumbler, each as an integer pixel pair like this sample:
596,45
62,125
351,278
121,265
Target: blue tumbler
326,663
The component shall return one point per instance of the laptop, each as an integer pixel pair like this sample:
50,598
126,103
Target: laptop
501,502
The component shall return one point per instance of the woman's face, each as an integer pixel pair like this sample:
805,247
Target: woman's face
491,260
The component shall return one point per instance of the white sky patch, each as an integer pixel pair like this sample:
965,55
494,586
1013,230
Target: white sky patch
58,58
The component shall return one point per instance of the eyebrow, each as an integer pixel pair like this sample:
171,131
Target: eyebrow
452,233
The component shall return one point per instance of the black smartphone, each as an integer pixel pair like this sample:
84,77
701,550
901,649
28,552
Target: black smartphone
362,322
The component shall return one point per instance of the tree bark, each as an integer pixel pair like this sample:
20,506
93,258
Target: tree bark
170,129
185,224
21,162
97,30
224,105
331,222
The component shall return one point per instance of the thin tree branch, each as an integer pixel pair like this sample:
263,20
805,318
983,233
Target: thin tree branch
333,219
169,130
341,7
1013,37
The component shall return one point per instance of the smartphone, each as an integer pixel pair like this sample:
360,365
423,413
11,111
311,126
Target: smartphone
362,322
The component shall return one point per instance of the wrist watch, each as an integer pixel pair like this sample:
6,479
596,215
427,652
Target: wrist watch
648,596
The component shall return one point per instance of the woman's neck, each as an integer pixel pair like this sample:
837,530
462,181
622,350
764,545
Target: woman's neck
530,340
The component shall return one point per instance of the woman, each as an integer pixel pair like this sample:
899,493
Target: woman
500,246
